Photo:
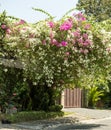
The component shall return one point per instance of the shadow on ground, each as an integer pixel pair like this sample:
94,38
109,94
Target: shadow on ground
65,123
76,127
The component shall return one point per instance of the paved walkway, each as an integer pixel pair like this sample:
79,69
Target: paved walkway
84,113
79,117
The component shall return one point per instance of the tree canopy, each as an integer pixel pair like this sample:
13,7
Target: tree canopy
100,9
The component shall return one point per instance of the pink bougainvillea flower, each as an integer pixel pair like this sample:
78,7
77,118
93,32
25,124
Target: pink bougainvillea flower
8,31
63,43
51,24
88,42
65,59
87,26
83,19
85,43
80,17
55,42
108,49
14,94
20,22
76,33
24,28
3,26
81,50
67,25
73,41
51,36
86,51
80,40
85,35
67,53
44,42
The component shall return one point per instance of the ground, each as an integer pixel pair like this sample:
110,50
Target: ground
79,118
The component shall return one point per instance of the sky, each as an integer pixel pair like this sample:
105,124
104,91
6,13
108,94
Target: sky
23,8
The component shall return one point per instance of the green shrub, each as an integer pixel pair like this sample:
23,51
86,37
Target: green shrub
55,108
94,95
32,115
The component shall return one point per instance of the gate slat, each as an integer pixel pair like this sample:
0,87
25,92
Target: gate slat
72,98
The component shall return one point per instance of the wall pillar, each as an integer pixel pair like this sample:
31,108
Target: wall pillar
62,99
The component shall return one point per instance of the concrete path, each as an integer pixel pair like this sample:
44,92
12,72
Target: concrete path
80,118
90,113
105,124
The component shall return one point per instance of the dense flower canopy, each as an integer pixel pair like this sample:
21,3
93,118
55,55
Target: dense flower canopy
72,49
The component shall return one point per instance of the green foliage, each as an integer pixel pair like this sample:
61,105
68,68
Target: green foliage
55,108
100,9
16,92
106,98
32,115
94,95
13,90
2,32
2,22
42,97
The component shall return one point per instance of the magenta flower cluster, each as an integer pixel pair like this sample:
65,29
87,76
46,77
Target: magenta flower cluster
82,41
51,24
67,25
59,44
79,40
63,43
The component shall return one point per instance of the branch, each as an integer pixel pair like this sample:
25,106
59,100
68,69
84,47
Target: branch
44,12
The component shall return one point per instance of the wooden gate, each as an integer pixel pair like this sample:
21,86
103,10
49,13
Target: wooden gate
73,98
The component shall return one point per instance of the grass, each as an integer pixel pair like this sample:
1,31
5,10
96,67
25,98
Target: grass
68,113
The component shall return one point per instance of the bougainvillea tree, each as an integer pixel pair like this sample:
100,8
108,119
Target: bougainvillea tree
55,53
